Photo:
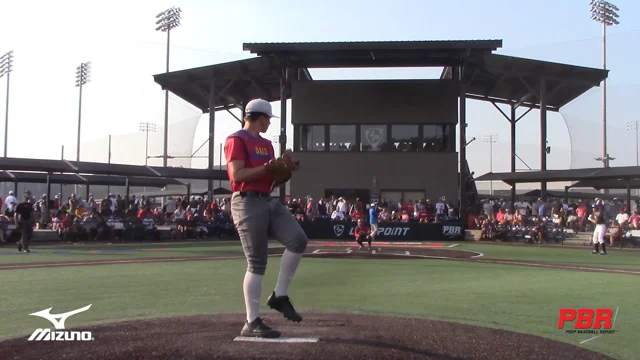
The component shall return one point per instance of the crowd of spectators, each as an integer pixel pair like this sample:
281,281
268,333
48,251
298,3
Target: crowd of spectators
338,208
543,220
114,215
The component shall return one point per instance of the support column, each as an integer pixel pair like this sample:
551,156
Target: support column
212,126
543,135
284,93
127,199
462,141
628,196
48,191
513,150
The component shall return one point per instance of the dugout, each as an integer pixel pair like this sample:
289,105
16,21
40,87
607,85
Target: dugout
389,138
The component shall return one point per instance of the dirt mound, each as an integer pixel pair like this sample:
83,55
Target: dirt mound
339,336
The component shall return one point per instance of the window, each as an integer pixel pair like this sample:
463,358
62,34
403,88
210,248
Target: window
405,137
342,138
434,137
312,138
373,137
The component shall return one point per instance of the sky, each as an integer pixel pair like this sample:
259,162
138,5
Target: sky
120,40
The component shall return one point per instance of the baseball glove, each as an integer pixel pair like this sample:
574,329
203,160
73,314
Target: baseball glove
282,168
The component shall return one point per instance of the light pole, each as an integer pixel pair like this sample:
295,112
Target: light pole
147,127
167,20
607,14
83,73
490,139
633,125
6,66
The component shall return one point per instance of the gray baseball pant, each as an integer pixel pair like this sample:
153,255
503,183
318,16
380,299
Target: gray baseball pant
257,217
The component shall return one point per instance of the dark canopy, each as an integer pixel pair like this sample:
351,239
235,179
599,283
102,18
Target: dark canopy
613,184
83,167
372,53
235,82
490,77
612,173
74,179
509,79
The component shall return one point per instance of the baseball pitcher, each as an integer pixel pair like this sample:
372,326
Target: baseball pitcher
254,173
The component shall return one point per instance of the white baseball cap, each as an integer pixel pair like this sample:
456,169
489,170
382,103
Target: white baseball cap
259,106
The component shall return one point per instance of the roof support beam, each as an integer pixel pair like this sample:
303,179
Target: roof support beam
524,114
245,73
507,102
500,110
234,115
153,171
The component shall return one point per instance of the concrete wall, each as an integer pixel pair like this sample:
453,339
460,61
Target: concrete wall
374,102
435,173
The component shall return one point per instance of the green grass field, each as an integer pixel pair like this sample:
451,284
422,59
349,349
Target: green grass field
516,298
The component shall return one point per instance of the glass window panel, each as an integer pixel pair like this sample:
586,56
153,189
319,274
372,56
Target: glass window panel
373,137
342,138
405,137
312,138
433,138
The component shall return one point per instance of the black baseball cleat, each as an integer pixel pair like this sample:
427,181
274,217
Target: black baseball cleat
19,247
257,328
283,305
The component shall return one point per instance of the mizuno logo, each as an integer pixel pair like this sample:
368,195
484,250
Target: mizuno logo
58,322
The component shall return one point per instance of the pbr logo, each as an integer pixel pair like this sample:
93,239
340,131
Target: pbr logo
451,230
374,136
59,334
586,320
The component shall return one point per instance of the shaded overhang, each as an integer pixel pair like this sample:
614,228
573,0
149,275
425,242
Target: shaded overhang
364,54
612,184
95,168
612,173
513,80
75,179
234,83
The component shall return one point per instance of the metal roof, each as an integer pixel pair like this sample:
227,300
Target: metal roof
95,168
509,79
491,77
372,53
612,173
74,179
240,81
607,184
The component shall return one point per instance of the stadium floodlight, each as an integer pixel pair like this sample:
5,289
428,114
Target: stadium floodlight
490,139
83,76
6,67
606,14
167,20
147,128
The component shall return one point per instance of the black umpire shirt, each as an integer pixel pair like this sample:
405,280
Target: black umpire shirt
25,210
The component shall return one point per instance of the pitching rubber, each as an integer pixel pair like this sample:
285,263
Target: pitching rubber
277,340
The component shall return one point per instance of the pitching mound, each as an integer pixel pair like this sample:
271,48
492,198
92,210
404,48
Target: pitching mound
337,336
